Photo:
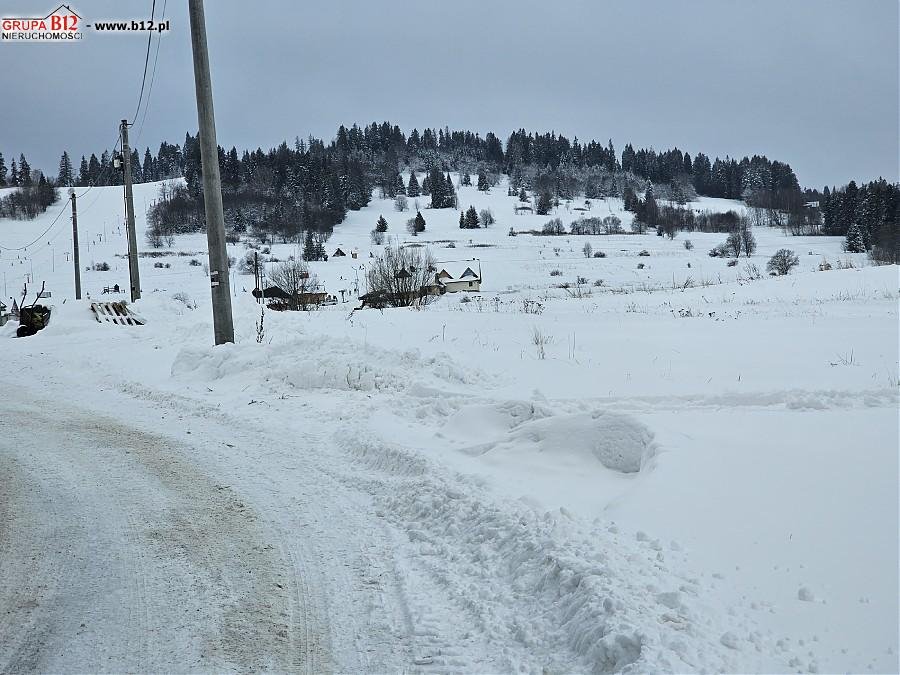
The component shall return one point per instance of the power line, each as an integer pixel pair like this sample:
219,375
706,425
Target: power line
146,62
152,77
22,248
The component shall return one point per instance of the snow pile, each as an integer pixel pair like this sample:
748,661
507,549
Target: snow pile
311,363
619,442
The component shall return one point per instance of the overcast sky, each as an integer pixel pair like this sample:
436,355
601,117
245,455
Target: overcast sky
812,83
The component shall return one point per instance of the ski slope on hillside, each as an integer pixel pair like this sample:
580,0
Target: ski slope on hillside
699,473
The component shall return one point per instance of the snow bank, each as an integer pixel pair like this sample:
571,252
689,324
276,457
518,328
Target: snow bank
315,363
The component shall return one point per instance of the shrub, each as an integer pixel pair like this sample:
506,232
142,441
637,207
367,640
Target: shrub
553,227
486,216
101,267
689,245
555,273
782,262
718,251
732,263
193,262
599,254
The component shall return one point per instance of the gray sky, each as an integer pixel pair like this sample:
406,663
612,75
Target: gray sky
812,83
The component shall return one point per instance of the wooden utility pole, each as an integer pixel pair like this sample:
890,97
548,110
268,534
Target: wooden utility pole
223,325
75,255
134,273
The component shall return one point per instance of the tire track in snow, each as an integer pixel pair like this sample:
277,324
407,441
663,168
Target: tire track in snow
138,542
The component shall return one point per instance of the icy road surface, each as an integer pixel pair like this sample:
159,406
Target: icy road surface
122,550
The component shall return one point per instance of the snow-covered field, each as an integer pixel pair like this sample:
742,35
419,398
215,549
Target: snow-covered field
700,473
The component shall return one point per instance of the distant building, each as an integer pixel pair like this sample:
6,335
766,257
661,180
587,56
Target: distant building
459,276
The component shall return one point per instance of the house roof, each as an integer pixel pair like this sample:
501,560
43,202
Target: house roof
458,271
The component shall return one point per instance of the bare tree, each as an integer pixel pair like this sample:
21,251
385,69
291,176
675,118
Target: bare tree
782,262
401,276
295,279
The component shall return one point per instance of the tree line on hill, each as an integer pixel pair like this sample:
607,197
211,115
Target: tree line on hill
35,193
289,190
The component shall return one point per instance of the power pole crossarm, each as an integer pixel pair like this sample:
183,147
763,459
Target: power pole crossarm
223,325
133,270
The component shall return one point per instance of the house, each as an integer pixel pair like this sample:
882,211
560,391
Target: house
459,276
4,317
338,254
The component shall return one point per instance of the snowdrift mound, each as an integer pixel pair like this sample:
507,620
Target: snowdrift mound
475,422
619,442
564,596
312,363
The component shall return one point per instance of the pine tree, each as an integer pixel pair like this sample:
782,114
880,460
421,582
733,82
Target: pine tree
413,188
483,181
854,242
472,221
2,171
65,177
14,174
381,225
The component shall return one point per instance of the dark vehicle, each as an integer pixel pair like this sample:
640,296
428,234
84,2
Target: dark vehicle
32,319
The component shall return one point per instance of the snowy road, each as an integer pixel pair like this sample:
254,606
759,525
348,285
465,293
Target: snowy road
122,551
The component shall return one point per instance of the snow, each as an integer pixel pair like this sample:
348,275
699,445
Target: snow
696,476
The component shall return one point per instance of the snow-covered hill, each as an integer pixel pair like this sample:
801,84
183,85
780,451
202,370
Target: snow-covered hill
674,467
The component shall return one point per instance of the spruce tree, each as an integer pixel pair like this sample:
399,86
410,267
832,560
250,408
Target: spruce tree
400,188
472,221
854,242
309,247
462,220
413,188
65,176
450,196
466,179
419,222
24,172
83,174
381,225
438,189
2,171
544,204
523,196
14,174
483,181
